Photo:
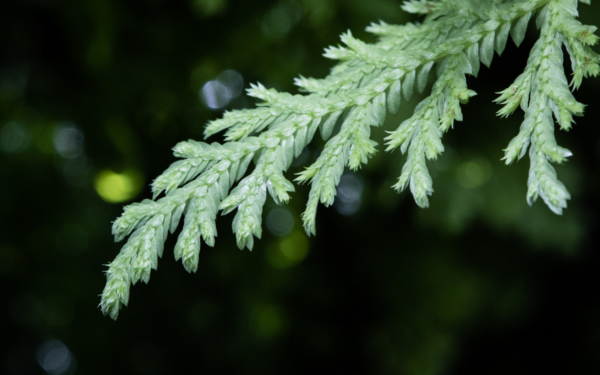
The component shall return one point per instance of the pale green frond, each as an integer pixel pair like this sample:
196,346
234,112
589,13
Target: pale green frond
545,84
453,40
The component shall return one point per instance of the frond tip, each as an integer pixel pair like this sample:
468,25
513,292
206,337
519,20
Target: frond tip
369,81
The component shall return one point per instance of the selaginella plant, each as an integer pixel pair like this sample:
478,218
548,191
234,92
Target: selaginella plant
369,81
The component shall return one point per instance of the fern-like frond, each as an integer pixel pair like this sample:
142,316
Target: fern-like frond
543,91
369,80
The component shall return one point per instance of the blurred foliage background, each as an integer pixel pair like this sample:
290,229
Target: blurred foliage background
93,95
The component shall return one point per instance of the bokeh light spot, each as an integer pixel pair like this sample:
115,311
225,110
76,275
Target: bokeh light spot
349,192
280,222
68,140
266,321
233,81
209,7
474,174
218,93
281,19
118,187
13,137
294,248
55,358
289,251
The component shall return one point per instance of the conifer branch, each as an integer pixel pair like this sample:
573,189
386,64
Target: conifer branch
369,80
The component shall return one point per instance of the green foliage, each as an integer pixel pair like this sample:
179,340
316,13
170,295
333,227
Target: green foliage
369,80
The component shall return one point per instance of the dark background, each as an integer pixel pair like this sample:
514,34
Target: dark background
95,93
